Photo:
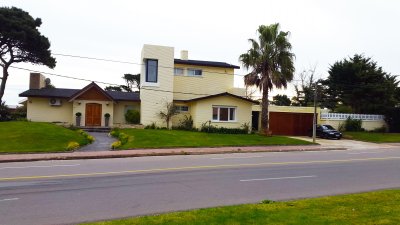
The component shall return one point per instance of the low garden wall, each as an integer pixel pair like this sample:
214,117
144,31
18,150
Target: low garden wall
369,121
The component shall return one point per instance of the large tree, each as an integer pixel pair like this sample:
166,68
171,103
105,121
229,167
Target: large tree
21,41
358,82
281,100
270,62
132,82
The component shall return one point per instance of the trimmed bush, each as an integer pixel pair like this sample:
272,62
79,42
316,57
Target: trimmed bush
132,116
72,145
116,145
90,138
123,138
353,124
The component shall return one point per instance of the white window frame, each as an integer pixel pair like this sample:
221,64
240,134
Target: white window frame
179,69
194,71
229,114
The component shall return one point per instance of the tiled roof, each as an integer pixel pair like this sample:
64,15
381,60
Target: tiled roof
205,63
67,93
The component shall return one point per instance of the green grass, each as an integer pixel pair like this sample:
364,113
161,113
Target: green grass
139,138
373,137
26,137
381,207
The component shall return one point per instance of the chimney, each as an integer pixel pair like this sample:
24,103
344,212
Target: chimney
36,81
184,55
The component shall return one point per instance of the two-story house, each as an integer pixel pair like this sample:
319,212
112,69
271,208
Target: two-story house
203,89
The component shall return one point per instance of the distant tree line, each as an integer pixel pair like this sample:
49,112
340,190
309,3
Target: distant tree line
354,85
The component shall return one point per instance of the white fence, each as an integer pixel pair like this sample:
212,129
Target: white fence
344,116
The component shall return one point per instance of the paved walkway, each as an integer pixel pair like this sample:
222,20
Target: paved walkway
153,152
102,142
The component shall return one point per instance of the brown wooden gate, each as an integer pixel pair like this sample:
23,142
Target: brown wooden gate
296,124
93,114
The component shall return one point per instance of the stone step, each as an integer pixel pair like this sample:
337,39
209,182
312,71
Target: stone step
96,129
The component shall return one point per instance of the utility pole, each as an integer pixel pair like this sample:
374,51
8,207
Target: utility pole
315,113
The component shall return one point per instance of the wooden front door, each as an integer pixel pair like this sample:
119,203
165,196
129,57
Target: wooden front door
93,114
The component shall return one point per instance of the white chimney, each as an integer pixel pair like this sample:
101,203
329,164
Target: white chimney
184,55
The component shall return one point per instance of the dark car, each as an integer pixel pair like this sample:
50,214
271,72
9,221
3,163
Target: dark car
327,131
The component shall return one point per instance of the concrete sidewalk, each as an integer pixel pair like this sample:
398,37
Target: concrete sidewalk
158,152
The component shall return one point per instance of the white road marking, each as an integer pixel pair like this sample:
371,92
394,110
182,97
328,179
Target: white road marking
241,157
278,178
357,153
26,167
9,199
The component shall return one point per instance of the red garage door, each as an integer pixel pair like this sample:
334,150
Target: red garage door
296,124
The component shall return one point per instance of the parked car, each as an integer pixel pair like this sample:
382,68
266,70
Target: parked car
326,131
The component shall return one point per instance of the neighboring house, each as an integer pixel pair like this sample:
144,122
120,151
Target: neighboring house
202,89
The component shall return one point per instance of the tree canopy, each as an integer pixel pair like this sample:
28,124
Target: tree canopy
281,100
132,82
358,82
21,41
270,62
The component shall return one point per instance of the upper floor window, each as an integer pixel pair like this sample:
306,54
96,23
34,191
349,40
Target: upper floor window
194,72
152,70
224,114
178,71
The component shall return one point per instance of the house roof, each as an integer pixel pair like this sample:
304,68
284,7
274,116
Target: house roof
205,63
88,87
68,93
222,94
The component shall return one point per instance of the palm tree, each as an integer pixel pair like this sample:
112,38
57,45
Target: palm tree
271,63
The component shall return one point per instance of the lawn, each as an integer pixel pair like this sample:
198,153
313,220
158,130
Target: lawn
381,207
373,137
147,138
26,137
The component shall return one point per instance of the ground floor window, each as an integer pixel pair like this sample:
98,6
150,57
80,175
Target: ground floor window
182,108
224,113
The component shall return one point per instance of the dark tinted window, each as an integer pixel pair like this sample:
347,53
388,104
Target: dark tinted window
151,70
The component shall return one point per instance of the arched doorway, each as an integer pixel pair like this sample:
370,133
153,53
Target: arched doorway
93,114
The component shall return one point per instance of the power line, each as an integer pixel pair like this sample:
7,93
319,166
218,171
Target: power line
133,63
82,79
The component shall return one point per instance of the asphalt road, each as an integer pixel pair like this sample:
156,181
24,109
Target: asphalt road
68,192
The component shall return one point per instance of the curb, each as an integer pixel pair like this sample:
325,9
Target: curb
116,154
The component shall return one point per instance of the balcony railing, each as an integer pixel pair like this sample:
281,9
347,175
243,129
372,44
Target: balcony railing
344,116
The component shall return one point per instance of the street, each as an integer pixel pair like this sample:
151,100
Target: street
73,191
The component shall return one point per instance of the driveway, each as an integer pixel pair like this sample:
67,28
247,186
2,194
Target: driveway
345,143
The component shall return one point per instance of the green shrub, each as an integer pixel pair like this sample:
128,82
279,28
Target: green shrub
115,132
379,129
107,115
208,128
185,124
116,145
72,145
392,118
152,126
123,138
353,124
90,138
78,114
132,116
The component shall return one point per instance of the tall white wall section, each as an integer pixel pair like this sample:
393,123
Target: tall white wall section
154,96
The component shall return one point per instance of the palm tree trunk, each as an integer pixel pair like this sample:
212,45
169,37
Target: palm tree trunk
3,82
264,112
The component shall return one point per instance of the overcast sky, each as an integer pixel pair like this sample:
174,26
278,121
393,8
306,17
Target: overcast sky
322,32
